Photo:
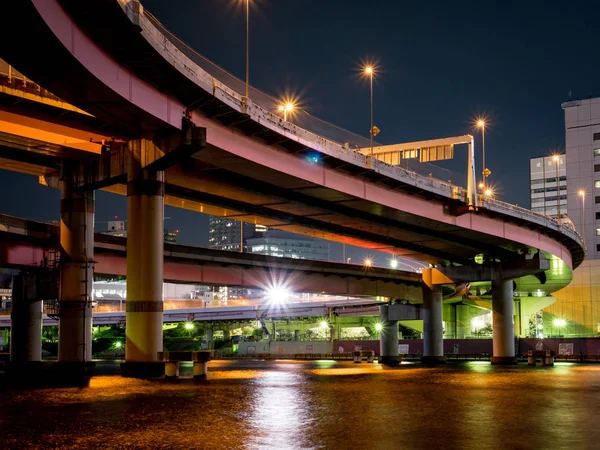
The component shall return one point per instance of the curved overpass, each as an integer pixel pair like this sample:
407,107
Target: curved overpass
257,167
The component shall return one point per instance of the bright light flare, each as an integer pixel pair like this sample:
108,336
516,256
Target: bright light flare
118,344
394,263
481,123
488,192
555,158
379,326
368,262
559,322
278,295
369,70
323,324
581,193
189,326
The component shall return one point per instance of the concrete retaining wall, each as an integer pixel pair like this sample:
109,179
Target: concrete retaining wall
283,348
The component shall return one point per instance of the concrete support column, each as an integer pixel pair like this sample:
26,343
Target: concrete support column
450,321
433,339
76,274
226,335
25,320
145,240
463,321
502,320
209,336
296,335
388,344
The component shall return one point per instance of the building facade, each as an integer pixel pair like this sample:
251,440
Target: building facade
579,303
289,245
117,228
548,184
226,234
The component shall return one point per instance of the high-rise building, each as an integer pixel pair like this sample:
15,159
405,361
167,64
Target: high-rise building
224,233
117,228
579,303
285,244
548,184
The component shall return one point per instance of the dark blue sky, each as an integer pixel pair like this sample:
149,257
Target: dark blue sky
442,64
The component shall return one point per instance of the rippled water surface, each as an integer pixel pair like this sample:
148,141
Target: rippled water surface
317,405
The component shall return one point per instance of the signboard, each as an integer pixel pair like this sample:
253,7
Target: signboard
565,349
309,348
251,351
403,349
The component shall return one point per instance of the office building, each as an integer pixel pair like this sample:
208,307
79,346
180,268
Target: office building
284,244
579,303
224,233
547,195
117,228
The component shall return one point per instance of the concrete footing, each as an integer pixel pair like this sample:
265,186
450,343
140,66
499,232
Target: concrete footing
503,360
433,360
200,371
146,369
38,374
389,360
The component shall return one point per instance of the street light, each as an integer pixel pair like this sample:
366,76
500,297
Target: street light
288,107
370,71
556,159
581,194
394,263
247,47
488,192
484,171
368,262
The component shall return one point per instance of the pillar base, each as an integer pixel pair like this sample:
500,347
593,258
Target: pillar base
149,369
37,374
389,360
503,360
433,360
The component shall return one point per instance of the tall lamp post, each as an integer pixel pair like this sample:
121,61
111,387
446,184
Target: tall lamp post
581,194
556,159
369,71
287,108
247,47
484,174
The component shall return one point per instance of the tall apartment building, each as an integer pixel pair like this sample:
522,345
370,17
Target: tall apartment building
548,184
579,303
282,243
117,228
224,233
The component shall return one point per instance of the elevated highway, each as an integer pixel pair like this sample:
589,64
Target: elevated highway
159,99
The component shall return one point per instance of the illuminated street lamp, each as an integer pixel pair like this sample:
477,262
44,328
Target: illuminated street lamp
368,262
581,194
559,323
556,159
484,171
287,108
379,326
247,47
189,326
394,263
373,131
488,192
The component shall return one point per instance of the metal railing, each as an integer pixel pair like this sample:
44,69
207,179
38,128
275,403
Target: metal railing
307,129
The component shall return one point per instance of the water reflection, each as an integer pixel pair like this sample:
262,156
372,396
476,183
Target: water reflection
279,411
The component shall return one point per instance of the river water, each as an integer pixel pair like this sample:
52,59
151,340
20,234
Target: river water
317,405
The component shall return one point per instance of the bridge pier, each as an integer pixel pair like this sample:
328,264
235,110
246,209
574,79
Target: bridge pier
502,321
25,321
388,338
145,248
433,343
76,275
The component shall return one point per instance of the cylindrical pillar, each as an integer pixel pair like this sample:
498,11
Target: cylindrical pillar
172,369
433,332
388,341
463,321
145,240
296,335
449,311
25,320
76,273
209,336
502,321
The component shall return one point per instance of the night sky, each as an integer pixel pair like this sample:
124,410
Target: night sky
441,65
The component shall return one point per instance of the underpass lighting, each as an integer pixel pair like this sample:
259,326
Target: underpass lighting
368,262
379,326
118,344
394,263
323,324
559,322
278,295
189,326
488,192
